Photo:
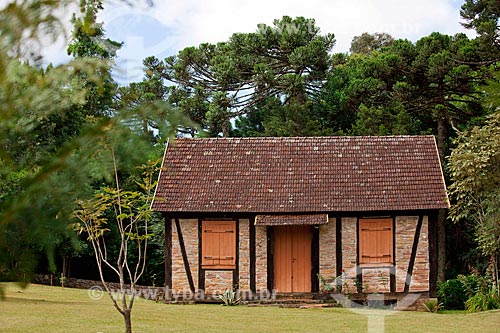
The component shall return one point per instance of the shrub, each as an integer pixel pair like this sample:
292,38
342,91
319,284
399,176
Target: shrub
325,284
483,301
452,295
432,305
471,283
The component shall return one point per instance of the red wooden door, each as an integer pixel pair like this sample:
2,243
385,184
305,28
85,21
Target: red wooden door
292,258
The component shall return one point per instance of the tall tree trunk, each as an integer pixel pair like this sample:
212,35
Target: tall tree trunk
145,127
441,248
226,127
441,274
300,97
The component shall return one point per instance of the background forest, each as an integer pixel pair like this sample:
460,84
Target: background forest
64,129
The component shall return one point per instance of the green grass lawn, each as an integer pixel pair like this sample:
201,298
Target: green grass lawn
53,309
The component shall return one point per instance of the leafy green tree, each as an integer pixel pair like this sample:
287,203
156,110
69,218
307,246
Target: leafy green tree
366,43
334,105
34,192
483,16
47,159
88,41
475,171
275,118
445,84
384,121
362,87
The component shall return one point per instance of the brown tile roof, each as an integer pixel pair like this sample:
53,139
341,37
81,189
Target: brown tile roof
303,174
302,219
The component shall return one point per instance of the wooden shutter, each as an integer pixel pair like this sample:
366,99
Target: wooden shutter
209,244
218,244
376,241
227,243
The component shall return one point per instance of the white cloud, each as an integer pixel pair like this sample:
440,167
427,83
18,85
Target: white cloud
171,25
216,20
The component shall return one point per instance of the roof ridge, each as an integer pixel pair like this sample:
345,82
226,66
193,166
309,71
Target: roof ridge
306,137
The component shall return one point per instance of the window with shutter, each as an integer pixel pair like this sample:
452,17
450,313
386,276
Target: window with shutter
376,241
218,245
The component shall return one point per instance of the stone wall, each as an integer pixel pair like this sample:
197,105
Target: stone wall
216,282
349,244
374,280
327,250
189,230
244,255
148,292
378,279
261,258
405,233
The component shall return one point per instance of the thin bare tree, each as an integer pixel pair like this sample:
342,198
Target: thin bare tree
131,215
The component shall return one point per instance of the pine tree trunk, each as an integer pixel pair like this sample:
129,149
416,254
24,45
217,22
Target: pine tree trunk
441,274
441,248
226,126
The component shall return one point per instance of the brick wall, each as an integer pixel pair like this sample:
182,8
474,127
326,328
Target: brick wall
148,292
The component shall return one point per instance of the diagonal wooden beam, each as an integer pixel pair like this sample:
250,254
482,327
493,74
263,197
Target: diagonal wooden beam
184,256
414,249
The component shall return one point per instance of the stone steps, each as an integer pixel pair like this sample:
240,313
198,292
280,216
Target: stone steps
299,300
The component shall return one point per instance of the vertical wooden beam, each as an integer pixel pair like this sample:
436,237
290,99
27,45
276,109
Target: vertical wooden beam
433,252
184,256
236,271
359,270
201,271
315,259
168,252
251,232
392,278
270,258
338,246
392,270
413,255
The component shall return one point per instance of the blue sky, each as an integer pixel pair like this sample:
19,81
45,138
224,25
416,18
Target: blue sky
169,26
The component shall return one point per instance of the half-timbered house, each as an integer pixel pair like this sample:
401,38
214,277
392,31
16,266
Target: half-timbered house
277,213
